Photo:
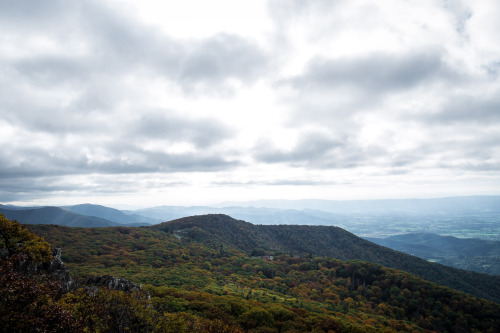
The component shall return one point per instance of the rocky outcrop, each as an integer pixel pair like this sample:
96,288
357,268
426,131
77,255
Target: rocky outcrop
54,269
57,270
112,282
93,283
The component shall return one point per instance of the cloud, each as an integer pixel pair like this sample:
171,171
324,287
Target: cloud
28,188
170,126
72,96
372,74
32,163
86,45
138,145
467,109
94,92
222,57
319,151
277,182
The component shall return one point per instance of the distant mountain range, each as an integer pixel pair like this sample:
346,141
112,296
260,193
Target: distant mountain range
256,215
88,216
330,212
469,204
466,217
309,212
110,214
472,254
54,215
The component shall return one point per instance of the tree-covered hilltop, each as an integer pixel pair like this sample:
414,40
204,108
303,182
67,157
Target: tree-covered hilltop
327,241
206,287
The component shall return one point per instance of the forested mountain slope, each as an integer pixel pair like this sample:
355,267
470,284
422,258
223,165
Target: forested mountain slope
327,241
203,287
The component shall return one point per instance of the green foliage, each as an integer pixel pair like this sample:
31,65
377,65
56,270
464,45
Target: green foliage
29,299
108,310
28,304
305,240
15,239
194,286
256,317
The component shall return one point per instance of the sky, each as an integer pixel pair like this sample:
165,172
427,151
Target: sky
146,103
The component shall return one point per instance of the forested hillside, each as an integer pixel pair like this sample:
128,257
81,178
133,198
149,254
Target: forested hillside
209,287
328,241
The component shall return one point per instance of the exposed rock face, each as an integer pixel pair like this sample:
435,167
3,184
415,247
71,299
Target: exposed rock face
57,269
112,282
54,269
93,283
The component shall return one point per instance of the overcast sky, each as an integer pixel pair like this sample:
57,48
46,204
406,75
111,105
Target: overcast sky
146,103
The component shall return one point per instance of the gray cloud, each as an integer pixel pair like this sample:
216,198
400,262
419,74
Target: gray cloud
70,93
472,151
373,73
319,151
23,186
33,13
172,127
99,43
465,109
222,57
310,147
51,70
277,182
38,163
28,188
335,92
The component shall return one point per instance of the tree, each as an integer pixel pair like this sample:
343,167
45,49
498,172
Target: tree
108,310
256,317
29,302
15,239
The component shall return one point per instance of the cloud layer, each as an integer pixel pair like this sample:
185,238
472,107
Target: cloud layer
329,96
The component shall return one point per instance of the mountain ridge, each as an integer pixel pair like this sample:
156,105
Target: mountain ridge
108,213
54,215
323,241
73,216
442,204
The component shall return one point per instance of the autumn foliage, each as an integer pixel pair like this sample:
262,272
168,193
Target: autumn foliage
200,286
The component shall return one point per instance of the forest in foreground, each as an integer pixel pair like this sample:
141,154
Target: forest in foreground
186,279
